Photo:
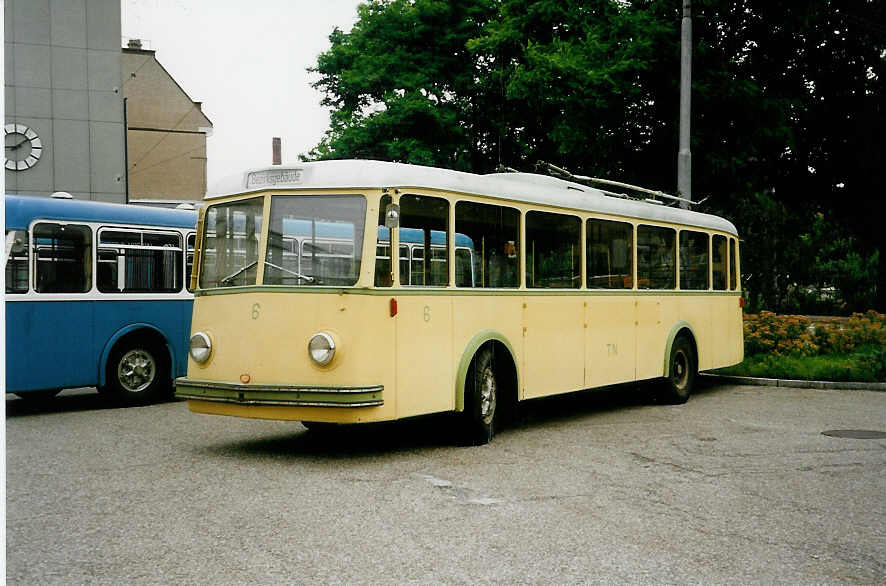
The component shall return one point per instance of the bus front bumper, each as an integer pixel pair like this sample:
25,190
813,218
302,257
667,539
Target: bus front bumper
279,395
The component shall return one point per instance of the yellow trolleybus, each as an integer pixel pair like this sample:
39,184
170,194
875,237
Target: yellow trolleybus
358,291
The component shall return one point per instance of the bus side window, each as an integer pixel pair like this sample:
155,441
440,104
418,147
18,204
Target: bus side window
693,260
384,270
404,263
553,251
487,238
189,260
428,219
718,256
733,264
17,261
136,261
656,257
417,267
63,258
610,256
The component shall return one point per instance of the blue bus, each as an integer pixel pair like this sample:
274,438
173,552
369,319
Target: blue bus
97,294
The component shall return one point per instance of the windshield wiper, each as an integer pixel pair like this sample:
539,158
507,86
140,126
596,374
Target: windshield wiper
293,273
239,271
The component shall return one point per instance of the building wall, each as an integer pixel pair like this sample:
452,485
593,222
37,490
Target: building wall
167,132
62,78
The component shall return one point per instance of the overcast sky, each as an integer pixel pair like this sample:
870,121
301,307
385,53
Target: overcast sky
245,60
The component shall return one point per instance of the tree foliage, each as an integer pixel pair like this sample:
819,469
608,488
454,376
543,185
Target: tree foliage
788,109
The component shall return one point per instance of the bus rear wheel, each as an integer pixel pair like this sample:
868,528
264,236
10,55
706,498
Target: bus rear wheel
481,398
682,370
138,373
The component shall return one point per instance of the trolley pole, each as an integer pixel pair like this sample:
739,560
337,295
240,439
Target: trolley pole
684,156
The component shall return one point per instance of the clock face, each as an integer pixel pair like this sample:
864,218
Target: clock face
23,147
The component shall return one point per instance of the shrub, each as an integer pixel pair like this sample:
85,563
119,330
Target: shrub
873,360
768,333
784,335
861,330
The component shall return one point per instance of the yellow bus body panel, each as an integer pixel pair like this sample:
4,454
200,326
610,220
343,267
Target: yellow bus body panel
561,343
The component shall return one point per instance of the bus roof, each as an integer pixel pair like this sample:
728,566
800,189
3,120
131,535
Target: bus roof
516,187
21,210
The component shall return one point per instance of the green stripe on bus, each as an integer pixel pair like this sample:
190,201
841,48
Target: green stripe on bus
467,292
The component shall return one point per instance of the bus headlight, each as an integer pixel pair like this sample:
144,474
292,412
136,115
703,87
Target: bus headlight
321,348
200,347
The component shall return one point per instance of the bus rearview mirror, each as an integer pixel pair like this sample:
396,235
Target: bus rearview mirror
392,215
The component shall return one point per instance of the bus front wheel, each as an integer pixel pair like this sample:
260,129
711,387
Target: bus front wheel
682,370
137,373
481,398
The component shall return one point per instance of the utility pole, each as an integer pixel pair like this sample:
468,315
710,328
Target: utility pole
684,156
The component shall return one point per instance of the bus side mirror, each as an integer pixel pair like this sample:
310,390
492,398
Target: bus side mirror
392,215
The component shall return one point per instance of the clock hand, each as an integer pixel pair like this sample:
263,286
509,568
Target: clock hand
15,147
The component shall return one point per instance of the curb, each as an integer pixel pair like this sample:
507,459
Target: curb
793,384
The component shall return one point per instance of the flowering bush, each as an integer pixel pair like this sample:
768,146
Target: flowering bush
862,329
783,335
768,333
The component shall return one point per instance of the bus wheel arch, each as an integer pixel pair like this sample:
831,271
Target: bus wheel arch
681,364
487,387
136,366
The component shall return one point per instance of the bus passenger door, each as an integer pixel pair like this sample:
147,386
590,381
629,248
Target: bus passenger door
424,354
651,335
49,345
555,347
611,341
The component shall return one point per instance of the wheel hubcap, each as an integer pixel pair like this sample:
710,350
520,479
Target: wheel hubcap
136,371
487,395
680,369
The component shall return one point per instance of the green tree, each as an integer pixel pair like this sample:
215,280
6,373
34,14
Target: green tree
788,106
401,84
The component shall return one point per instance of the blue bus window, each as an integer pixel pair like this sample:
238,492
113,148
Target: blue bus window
189,261
16,261
136,261
63,258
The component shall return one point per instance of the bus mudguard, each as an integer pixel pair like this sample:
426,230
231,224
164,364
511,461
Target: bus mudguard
112,341
470,350
672,335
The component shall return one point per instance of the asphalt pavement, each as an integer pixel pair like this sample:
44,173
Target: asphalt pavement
739,486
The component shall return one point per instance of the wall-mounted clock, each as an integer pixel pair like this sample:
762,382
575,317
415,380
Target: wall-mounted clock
23,147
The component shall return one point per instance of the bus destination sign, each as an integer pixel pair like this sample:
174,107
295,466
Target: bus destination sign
274,177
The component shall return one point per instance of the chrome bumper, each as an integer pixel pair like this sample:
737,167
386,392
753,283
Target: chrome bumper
279,395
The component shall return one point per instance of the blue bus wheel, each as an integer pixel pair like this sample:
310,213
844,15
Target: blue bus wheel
137,373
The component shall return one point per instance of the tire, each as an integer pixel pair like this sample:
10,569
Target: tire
682,371
138,373
481,399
